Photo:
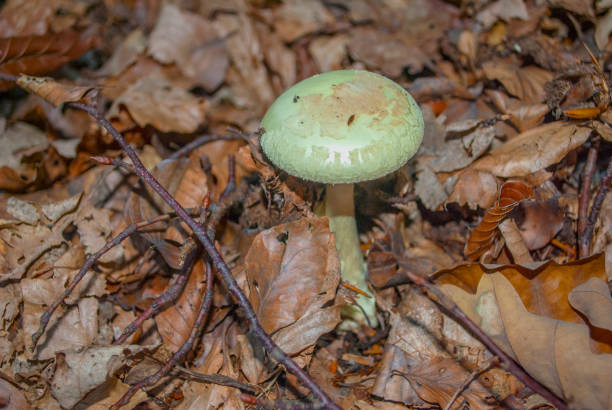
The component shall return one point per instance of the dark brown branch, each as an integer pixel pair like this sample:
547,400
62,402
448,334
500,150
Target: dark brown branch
182,351
217,260
508,363
604,187
585,196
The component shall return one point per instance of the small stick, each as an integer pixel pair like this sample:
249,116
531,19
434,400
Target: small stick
494,361
509,364
216,379
112,161
585,196
604,187
204,139
217,260
182,351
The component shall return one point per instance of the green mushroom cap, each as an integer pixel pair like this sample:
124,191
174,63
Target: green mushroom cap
342,127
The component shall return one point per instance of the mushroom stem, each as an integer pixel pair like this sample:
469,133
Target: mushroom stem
340,209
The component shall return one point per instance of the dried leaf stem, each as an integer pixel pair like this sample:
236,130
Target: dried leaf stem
585,196
508,363
182,351
217,260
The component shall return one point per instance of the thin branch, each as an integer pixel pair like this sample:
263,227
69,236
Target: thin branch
204,139
217,260
508,363
604,187
182,351
585,196
216,379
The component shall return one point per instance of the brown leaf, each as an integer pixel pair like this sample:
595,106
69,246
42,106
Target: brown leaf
593,300
12,398
555,352
36,55
292,271
52,91
385,52
295,18
193,43
483,236
80,371
543,289
156,102
174,324
533,150
436,381
526,83
474,189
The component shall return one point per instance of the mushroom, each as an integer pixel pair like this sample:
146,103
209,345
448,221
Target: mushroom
339,128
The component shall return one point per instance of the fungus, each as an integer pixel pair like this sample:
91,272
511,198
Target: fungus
340,128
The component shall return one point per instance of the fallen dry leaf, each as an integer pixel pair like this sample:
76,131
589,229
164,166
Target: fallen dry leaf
156,102
533,150
526,83
80,371
555,352
292,271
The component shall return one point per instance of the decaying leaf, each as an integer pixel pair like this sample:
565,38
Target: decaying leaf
533,150
81,371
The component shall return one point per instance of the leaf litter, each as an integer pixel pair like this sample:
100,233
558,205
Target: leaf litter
514,93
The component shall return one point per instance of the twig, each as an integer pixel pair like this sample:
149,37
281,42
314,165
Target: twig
585,196
217,260
604,187
112,161
169,295
204,139
217,379
494,361
509,364
182,351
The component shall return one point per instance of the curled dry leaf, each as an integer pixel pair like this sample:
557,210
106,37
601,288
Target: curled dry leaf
156,102
557,353
52,91
483,236
525,83
292,271
533,150
474,189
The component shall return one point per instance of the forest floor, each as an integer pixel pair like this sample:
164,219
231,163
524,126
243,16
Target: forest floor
489,253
